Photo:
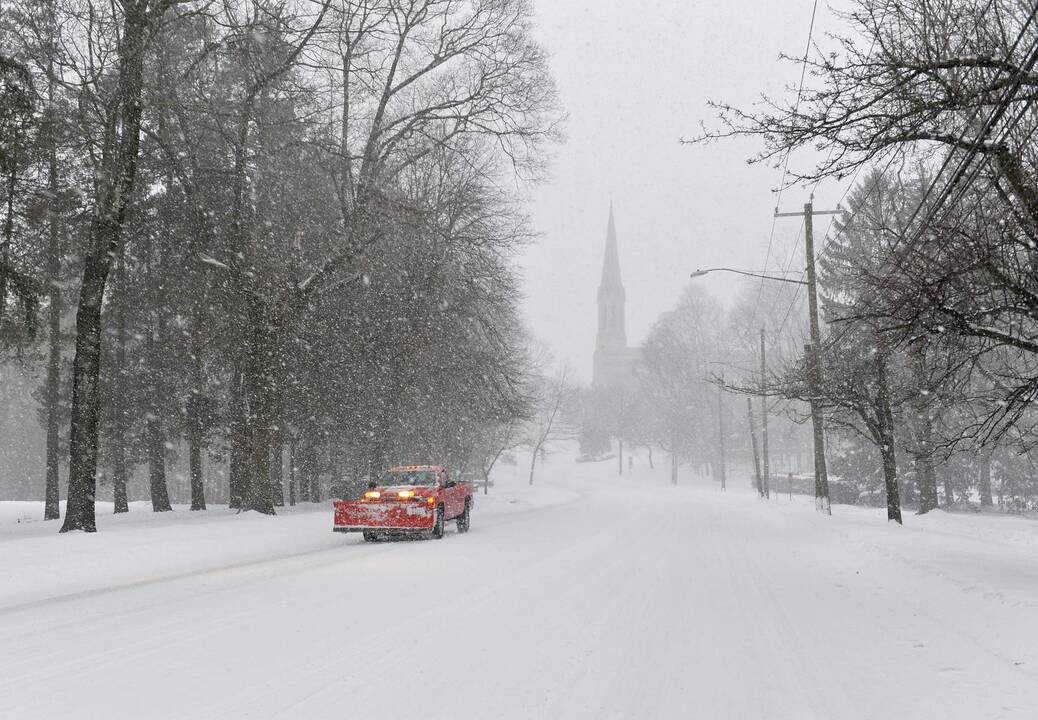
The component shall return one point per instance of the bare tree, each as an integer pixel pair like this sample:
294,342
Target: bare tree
499,439
552,397
676,359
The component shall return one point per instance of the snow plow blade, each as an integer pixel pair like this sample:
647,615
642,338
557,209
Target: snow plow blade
387,516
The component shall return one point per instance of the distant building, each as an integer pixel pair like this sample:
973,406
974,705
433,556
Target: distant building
614,362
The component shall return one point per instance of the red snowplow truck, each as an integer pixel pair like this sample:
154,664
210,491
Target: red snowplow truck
412,500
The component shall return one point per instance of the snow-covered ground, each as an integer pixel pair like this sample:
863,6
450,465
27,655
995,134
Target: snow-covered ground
586,596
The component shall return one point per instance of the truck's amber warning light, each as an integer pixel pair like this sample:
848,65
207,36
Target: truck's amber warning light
372,494
406,493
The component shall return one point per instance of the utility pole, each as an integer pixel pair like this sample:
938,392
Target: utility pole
720,429
753,441
814,365
764,418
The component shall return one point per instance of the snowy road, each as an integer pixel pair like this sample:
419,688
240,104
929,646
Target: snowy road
588,597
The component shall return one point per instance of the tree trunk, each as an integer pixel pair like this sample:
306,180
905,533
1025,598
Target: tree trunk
1002,490
86,406
195,406
926,477
118,449
620,453
649,448
155,428
5,242
315,476
985,480
51,507
51,510
259,385
533,460
157,464
238,480
949,495
887,446
1022,185
303,468
257,378
890,481
277,440
312,477
292,470
306,468
277,469
195,433
115,182
195,460
489,467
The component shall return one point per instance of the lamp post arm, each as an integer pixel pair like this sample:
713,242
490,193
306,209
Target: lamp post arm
762,276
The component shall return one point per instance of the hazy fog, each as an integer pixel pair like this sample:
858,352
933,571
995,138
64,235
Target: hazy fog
634,77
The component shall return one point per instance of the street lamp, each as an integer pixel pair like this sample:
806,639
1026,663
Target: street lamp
747,273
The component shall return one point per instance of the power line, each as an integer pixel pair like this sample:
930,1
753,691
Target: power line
985,129
826,240
962,189
857,170
996,115
954,185
796,291
973,150
785,161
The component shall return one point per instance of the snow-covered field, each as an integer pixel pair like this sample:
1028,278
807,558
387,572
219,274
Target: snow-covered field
586,596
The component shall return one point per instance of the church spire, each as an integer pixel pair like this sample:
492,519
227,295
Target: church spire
612,332
611,263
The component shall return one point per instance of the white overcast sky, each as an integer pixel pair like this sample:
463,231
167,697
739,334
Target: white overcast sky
634,76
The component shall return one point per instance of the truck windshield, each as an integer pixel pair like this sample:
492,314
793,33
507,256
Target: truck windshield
412,477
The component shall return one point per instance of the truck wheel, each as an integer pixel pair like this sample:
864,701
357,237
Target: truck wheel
464,520
437,530
370,536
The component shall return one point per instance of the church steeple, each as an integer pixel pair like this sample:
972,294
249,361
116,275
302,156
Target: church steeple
611,263
612,332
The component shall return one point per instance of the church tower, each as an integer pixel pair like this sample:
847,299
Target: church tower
613,361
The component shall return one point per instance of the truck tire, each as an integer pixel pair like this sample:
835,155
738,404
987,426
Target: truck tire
437,529
370,536
465,519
